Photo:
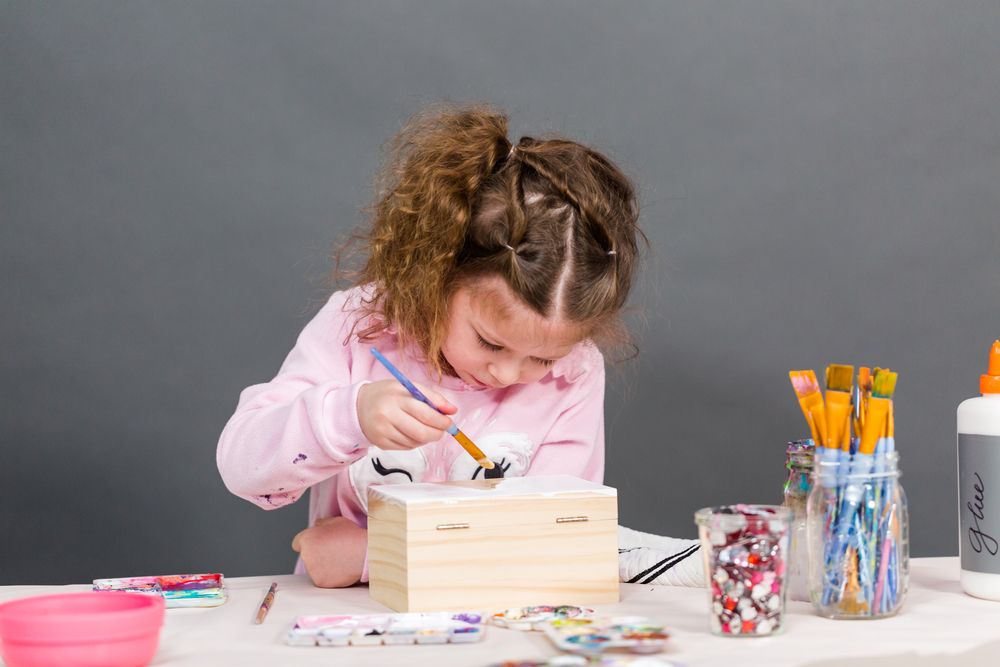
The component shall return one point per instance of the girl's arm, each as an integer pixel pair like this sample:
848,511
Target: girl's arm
284,439
334,551
320,415
302,427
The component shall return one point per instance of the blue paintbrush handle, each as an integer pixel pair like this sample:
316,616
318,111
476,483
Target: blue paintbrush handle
409,386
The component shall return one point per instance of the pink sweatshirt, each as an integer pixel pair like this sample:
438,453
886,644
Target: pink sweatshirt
301,430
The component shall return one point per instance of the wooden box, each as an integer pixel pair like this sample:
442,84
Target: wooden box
493,544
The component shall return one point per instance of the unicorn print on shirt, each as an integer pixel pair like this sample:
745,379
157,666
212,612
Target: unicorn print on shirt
382,466
510,452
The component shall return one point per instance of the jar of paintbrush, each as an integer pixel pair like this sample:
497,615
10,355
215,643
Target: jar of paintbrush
857,516
859,541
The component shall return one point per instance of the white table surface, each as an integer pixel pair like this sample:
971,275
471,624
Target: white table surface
937,624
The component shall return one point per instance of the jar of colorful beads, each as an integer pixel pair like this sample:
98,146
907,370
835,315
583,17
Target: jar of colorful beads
745,548
796,494
858,537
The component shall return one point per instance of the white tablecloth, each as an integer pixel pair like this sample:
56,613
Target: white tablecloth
938,623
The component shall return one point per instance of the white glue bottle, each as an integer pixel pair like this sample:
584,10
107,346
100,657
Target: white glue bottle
979,485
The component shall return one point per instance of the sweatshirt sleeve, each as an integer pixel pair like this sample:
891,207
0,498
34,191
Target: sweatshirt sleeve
574,445
301,427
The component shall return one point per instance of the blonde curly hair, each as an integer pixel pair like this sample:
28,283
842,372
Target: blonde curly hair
456,202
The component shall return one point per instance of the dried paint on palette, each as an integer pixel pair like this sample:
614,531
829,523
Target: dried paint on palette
177,590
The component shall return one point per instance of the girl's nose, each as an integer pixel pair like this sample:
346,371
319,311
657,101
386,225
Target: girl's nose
506,373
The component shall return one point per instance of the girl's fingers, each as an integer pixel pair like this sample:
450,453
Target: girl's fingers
391,418
439,401
401,440
422,426
426,416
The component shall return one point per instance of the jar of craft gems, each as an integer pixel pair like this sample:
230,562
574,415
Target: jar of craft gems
858,537
797,485
745,548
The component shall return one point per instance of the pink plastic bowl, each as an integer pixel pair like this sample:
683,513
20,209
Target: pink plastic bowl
89,629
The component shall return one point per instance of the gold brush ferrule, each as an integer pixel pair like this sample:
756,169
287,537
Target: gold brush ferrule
474,451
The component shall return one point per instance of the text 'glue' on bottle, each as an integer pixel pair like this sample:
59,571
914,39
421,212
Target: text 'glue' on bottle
979,485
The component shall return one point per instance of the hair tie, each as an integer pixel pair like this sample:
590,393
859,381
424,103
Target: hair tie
508,247
510,154
612,252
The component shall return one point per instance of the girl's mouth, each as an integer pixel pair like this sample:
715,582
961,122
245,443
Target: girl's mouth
476,383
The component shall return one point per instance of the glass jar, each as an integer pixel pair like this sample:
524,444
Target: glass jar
744,549
859,560
796,494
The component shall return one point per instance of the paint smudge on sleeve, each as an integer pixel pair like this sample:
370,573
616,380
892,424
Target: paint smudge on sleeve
300,457
273,500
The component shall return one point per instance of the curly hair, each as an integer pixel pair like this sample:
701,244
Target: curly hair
456,201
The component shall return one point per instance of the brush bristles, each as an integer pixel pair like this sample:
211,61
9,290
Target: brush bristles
839,378
884,384
864,378
804,383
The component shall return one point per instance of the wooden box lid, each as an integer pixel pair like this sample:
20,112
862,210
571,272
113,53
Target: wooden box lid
493,502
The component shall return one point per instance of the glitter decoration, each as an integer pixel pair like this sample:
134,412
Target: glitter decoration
745,548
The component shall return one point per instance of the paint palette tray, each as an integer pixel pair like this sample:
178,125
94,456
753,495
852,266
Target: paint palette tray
639,634
534,618
177,590
387,629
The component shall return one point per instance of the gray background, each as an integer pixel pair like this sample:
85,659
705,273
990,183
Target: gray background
819,182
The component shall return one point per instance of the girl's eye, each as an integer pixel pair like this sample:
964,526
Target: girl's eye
546,362
489,346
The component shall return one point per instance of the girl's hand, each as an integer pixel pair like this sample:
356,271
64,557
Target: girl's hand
333,551
392,419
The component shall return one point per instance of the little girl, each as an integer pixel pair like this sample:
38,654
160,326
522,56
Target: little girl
494,271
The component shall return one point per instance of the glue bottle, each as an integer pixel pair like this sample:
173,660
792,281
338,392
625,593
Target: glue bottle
979,485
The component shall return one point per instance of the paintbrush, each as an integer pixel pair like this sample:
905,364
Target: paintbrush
884,446
463,439
866,462
811,400
877,412
883,566
839,381
861,393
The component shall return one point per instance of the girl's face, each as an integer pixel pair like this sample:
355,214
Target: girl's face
494,340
